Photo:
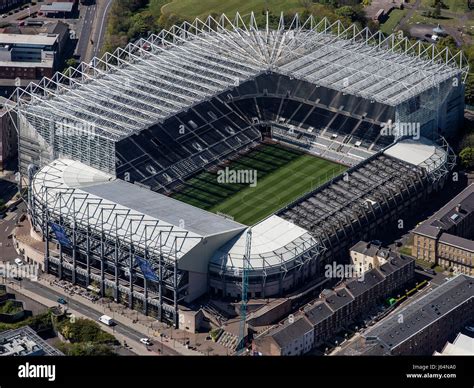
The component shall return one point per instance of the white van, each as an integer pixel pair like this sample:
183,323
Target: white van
105,319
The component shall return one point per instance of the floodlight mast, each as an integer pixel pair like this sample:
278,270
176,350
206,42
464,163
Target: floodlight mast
245,286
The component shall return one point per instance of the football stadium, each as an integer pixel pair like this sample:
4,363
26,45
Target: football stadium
148,167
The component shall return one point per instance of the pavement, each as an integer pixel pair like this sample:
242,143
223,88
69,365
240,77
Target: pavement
7,225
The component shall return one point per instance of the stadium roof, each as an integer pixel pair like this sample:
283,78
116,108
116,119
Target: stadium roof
147,219
276,243
163,208
155,78
422,152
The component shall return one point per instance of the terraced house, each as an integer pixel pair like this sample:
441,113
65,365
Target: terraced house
447,237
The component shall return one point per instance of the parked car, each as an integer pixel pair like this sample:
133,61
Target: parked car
18,261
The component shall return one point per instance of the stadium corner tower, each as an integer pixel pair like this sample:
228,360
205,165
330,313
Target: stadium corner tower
106,145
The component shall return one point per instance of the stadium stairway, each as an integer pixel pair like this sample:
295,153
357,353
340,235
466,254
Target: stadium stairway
228,340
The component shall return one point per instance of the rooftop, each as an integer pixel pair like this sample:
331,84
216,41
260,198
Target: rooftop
463,345
357,287
366,248
155,78
25,342
24,39
43,63
339,299
286,334
422,152
318,312
423,312
394,262
456,241
275,242
163,208
146,218
448,216
57,7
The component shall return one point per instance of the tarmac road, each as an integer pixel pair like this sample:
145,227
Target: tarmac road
91,313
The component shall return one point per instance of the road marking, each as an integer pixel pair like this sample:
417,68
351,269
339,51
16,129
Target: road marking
102,24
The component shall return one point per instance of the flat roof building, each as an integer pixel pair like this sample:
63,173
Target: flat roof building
57,9
25,342
44,40
28,56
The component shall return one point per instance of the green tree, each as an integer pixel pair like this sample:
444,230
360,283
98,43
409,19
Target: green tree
467,157
449,42
84,330
86,349
71,62
469,89
437,10
347,12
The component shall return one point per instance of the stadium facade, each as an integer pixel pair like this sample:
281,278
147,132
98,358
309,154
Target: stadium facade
104,145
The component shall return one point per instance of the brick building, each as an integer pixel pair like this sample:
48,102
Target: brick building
425,325
446,238
336,309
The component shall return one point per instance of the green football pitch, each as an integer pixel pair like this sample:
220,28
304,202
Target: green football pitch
283,175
